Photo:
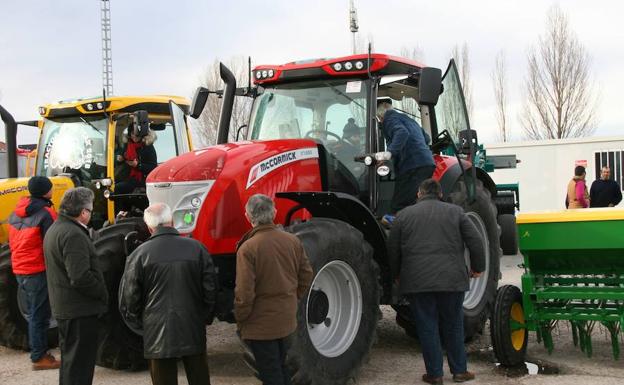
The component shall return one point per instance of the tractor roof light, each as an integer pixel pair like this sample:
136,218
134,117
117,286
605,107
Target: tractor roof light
337,66
90,107
348,66
42,110
359,65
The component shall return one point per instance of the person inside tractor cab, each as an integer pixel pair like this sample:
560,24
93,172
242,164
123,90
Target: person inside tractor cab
412,159
139,155
349,147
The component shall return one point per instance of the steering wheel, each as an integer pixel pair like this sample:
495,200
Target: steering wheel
309,134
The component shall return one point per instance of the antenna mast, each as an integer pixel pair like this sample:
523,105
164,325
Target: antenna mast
353,23
107,52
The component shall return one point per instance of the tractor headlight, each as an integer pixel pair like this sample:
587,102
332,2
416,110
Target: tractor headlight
186,211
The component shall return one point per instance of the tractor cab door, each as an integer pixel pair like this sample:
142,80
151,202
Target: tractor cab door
178,119
451,111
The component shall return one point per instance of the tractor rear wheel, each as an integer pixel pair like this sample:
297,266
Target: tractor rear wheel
338,316
13,324
508,328
118,346
479,300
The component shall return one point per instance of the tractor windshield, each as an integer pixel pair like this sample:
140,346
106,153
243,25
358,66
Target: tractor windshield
75,145
331,112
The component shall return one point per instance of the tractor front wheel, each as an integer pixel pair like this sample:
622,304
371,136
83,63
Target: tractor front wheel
13,312
118,347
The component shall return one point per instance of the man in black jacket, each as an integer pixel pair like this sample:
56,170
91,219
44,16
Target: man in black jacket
77,291
167,294
426,248
605,192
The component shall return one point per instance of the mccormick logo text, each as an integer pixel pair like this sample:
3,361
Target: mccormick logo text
273,163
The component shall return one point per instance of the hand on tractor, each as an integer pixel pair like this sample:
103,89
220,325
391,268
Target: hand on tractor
474,274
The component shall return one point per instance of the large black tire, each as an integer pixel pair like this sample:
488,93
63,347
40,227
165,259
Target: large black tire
118,347
510,343
13,325
478,310
509,234
334,247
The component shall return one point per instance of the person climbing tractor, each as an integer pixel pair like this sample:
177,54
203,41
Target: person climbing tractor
413,162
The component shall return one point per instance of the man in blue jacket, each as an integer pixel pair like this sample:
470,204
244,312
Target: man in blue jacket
413,162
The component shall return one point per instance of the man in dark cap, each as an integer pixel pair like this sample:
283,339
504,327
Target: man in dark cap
28,224
412,159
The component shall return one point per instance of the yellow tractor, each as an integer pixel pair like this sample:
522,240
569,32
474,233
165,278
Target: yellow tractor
79,141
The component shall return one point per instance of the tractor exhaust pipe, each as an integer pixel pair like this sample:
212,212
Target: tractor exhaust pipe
11,141
228,103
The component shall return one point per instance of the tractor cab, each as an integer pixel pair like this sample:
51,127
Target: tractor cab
333,102
81,140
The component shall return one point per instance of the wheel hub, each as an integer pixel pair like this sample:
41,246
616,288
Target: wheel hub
334,308
318,307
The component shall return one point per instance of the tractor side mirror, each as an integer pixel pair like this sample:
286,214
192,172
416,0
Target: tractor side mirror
429,86
199,102
468,141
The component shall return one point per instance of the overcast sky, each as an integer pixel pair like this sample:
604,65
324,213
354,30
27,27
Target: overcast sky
51,49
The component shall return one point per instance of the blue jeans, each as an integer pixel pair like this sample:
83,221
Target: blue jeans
34,288
435,313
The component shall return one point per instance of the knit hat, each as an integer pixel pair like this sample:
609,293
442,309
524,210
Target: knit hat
38,186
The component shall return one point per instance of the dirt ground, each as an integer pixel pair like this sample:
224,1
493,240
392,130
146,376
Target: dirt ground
395,359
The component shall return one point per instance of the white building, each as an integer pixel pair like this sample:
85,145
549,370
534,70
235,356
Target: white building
546,167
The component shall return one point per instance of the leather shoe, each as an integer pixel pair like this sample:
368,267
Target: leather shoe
432,380
46,362
463,377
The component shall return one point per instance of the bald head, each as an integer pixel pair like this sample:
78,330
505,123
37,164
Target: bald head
157,214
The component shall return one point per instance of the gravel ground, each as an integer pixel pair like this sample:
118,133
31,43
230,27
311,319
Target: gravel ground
395,359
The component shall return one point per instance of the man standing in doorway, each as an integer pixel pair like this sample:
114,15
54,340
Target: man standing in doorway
426,249
605,192
272,275
78,293
28,225
412,159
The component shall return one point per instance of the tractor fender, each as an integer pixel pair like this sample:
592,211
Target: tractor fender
348,209
454,172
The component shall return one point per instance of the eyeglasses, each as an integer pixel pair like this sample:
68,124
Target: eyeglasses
89,210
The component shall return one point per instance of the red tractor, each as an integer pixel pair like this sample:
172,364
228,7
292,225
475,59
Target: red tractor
328,191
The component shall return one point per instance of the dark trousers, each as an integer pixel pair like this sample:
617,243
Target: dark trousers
406,187
270,356
34,289
164,371
435,313
78,340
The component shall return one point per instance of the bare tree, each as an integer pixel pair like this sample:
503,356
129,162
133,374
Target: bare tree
462,58
409,104
560,100
206,129
499,82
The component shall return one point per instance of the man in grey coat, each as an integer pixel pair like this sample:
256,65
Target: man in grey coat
426,247
77,291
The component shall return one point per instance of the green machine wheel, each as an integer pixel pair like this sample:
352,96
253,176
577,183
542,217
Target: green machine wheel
508,327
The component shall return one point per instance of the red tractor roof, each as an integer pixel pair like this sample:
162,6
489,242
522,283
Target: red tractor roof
351,66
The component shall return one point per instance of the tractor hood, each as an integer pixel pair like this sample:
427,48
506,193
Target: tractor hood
207,189
257,158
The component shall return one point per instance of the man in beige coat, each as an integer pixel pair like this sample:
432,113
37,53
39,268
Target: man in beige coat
272,274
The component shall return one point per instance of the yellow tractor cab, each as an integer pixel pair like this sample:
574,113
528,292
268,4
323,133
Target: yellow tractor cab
80,144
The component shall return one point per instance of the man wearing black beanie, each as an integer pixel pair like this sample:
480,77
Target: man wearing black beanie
28,224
